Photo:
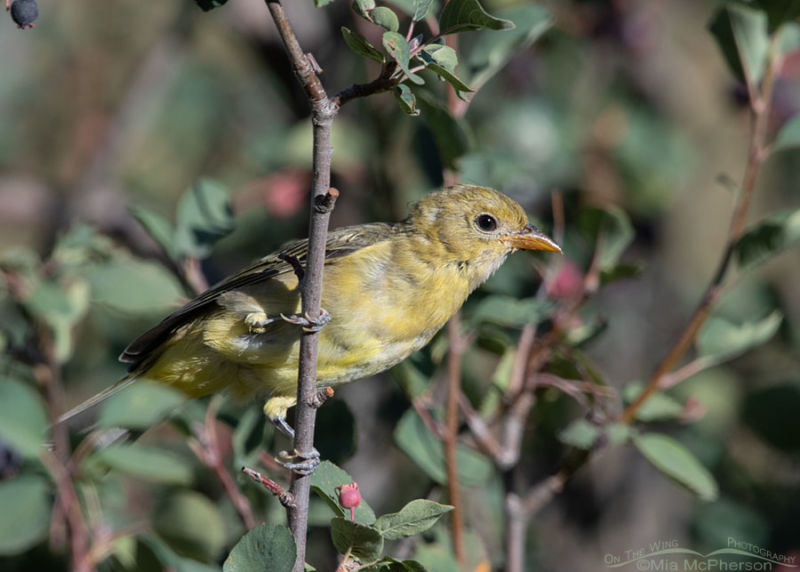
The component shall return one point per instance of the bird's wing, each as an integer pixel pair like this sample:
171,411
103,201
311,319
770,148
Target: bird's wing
340,242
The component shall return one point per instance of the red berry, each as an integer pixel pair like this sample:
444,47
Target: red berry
349,497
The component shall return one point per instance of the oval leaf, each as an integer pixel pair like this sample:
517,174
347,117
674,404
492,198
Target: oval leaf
265,543
385,18
417,516
23,418
132,286
358,44
190,524
397,47
204,216
720,339
25,517
406,99
363,542
767,238
741,34
326,479
677,463
425,449
463,15
146,463
139,406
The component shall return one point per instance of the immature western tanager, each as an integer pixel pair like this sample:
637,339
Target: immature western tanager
388,289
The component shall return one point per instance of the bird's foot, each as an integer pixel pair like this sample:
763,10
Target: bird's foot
257,322
301,464
309,325
281,425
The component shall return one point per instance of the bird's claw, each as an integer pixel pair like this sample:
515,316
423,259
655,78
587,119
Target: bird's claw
300,464
257,322
309,324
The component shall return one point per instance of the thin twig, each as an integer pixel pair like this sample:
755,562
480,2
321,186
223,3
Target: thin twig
58,461
760,105
457,348
208,450
284,496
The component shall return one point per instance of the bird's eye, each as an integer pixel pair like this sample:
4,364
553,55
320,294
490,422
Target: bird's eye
486,222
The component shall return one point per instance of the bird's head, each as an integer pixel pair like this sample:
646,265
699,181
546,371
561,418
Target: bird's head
477,227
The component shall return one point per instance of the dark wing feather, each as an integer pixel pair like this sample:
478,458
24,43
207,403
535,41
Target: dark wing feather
340,242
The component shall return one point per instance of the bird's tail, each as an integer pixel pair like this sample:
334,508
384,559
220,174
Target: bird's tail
97,399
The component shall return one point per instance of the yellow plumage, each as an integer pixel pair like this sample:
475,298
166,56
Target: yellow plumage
388,288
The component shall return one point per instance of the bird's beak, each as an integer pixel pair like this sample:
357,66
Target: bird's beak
530,238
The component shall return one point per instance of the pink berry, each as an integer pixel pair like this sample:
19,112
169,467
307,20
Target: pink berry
349,497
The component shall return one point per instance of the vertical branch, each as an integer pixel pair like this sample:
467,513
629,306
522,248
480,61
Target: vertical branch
451,433
322,198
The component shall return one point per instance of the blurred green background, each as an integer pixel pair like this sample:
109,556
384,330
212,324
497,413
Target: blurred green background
108,106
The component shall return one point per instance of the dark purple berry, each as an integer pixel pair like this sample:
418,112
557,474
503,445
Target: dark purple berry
24,13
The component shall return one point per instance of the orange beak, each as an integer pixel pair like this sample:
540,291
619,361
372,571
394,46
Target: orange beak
530,238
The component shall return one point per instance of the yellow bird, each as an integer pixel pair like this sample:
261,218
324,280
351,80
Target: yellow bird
388,288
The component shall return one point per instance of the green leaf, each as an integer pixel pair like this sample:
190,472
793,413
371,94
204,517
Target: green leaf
322,3
204,216
207,5
741,34
190,524
143,462
385,18
363,7
426,450
788,136
442,60
779,12
720,340
463,15
364,542
25,517
415,517
451,135
610,230
358,44
580,434
421,9
266,543
492,52
158,227
60,306
170,559
326,479
658,407
677,463
139,406
397,47
510,311
23,418
406,99
133,286
767,238
772,414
